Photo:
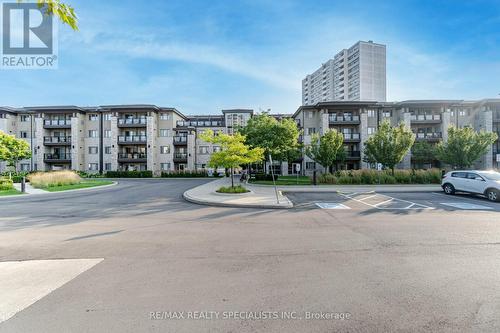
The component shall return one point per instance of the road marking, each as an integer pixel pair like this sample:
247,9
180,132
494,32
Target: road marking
22,283
368,197
412,205
331,205
465,205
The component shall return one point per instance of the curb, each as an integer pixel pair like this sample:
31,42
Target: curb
187,197
60,192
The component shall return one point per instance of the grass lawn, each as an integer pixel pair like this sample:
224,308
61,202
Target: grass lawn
285,180
9,192
84,184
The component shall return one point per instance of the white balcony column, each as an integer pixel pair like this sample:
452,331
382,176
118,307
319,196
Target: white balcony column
114,142
191,151
325,124
152,144
39,143
363,136
406,163
77,142
445,124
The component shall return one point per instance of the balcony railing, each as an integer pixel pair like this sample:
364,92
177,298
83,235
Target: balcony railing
425,117
432,135
132,156
353,154
351,136
180,156
201,123
343,119
57,140
132,139
132,122
57,157
180,139
57,123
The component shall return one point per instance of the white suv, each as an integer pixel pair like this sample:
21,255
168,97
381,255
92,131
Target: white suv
473,181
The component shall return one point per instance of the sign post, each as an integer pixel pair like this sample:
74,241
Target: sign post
297,169
272,175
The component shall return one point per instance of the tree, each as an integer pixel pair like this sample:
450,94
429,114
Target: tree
234,152
389,145
13,150
278,138
423,152
464,146
64,12
326,149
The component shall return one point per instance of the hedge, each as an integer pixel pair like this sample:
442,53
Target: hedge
6,184
129,174
187,174
372,177
263,176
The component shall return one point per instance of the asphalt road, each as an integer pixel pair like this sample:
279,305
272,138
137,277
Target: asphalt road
386,262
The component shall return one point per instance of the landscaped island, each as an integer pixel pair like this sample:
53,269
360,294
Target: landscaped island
56,181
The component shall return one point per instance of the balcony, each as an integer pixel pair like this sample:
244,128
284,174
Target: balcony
433,136
180,157
132,122
57,140
352,137
57,158
56,123
496,119
201,123
132,157
180,140
132,139
426,118
353,155
354,120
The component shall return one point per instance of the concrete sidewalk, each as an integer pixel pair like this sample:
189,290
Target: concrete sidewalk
357,188
258,197
30,189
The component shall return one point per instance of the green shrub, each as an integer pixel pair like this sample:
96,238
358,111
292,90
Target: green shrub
232,190
17,177
6,184
187,174
372,177
263,176
129,174
54,178
84,174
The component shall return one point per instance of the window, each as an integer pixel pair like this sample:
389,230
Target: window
107,166
93,166
310,113
371,113
216,149
165,166
92,150
311,130
474,176
386,114
164,132
92,134
24,118
165,116
204,150
459,175
310,165
107,116
371,130
107,150
23,134
93,117
25,167
165,150
107,133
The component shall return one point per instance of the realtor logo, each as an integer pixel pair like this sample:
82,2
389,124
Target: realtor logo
28,37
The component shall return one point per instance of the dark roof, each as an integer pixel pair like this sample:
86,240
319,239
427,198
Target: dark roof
237,110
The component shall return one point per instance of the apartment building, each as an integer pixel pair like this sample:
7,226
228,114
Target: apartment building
429,120
116,137
354,74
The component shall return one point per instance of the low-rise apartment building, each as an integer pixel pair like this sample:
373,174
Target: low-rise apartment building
429,120
160,139
116,137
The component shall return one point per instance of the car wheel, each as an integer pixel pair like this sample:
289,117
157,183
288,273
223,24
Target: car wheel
493,195
448,189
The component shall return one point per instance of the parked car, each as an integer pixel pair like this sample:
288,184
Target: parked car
486,183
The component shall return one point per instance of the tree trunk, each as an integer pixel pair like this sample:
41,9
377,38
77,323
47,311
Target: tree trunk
232,177
392,169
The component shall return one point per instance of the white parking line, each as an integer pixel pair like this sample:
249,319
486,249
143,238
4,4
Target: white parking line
412,205
368,197
466,205
331,205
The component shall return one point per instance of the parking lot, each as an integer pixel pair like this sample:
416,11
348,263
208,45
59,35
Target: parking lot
417,202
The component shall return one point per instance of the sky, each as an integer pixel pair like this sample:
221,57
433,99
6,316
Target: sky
204,56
